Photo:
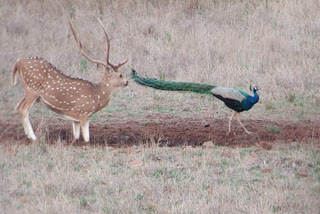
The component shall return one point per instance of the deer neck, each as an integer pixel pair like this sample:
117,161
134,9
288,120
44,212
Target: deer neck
103,91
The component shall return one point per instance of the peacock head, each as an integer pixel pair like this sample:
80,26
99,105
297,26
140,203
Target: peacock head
254,89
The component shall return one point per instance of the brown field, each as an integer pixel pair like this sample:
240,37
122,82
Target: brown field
170,131
167,152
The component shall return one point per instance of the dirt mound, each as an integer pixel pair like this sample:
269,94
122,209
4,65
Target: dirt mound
168,131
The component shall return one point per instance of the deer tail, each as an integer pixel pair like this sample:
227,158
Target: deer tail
14,73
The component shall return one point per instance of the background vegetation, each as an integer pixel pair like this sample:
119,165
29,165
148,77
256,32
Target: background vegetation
273,44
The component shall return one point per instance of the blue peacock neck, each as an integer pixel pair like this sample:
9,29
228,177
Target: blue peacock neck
251,100
255,97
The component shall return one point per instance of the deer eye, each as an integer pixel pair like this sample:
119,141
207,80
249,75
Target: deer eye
120,75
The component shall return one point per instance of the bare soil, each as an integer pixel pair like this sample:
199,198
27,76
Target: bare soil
168,131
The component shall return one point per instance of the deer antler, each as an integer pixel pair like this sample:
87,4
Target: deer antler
107,50
81,49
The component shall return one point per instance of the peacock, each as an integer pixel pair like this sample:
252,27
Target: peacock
236,100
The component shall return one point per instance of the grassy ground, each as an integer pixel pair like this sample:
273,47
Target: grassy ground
59,179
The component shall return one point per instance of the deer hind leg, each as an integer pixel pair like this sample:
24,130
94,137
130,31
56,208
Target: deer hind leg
85,129
76,130
24,107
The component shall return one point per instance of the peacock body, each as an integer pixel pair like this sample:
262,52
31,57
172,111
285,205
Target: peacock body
236,100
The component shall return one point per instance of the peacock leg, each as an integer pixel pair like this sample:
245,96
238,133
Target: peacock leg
230,121
242,124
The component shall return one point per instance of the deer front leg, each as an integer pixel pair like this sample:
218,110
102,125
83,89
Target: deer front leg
76,130
85,130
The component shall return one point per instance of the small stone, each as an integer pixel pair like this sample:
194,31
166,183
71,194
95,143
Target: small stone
266,170
208,144
266,146
136,163
295,145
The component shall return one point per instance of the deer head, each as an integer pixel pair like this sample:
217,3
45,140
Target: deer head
109,70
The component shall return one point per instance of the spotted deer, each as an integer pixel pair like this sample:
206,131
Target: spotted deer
73,98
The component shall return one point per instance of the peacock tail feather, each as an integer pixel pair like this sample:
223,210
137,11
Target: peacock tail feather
172,86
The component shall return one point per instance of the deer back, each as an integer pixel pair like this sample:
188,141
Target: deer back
61,93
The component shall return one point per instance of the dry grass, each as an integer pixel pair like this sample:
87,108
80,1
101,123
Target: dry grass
58,179
226,43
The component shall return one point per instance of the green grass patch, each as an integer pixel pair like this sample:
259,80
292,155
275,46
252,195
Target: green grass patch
273,129
83,66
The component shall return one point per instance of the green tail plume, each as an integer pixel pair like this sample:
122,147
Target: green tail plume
172,86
